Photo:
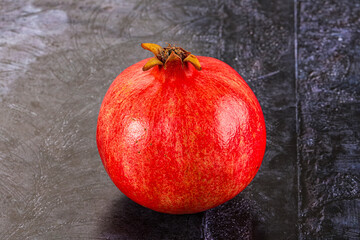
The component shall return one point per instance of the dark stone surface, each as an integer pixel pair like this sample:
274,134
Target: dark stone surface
329,119
57,59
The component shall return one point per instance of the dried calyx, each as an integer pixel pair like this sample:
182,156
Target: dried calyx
168,54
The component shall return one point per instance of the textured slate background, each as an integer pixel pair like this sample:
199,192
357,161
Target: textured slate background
57,59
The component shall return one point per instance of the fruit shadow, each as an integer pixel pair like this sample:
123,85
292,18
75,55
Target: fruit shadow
236,219
239,218
128,220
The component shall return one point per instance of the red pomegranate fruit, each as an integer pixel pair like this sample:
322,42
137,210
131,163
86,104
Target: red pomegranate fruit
180,134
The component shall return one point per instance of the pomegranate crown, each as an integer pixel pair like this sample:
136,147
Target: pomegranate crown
168,54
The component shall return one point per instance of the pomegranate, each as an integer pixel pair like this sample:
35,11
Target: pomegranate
180,134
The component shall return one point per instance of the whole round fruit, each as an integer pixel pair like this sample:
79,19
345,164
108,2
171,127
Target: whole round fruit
180,134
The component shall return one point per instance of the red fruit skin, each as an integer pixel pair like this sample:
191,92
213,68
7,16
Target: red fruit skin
179,140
